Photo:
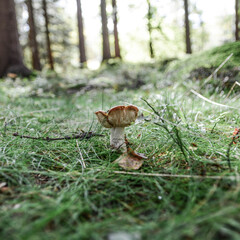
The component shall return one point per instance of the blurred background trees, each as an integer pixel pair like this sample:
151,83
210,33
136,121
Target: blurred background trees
187,28
82,51
237,20
115,30
11,58
52,37
106,54
47,33
150,15
33,44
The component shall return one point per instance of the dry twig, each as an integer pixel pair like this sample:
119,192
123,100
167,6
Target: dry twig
81,136
236,83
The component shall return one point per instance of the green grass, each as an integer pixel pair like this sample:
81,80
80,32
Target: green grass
49,195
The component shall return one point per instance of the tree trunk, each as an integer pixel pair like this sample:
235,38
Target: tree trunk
49,50
115,30
82,52
187,28
11,59
149,25
105,36
33,37
237,20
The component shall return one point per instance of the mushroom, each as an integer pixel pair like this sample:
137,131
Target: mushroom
117,118
131,160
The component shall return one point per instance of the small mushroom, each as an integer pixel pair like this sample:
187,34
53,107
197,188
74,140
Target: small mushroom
117,118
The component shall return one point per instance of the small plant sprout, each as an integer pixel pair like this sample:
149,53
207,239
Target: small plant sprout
117,118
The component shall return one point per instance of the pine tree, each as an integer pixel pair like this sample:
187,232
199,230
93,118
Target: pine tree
237,20
187,28
115,30
48,41
105,36
11,59
33,37
82,51
150,28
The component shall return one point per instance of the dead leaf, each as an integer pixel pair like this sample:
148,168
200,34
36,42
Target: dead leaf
4,188
193,144
130,160
236,135
3,184
12,75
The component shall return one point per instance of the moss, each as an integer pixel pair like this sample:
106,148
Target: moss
209,59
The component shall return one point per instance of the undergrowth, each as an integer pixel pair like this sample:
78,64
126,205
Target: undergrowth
48,194
195,69
71,189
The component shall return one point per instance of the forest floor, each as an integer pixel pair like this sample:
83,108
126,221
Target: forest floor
71,189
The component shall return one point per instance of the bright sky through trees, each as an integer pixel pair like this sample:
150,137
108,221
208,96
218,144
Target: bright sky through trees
132,23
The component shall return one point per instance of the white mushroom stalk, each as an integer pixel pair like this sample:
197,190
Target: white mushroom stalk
117,118
117,138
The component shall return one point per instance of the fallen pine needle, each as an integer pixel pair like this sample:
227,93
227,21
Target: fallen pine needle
81,157
232,178
210,101
77,174
236,83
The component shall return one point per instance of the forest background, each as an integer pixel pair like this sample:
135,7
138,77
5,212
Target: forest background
177,61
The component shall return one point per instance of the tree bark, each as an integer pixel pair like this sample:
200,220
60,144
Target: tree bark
48,41
105,35
115,30
11,59
33,37
82,51
237,20
187,28
150,28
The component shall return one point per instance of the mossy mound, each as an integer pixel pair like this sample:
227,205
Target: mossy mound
209,59
200,66
219,54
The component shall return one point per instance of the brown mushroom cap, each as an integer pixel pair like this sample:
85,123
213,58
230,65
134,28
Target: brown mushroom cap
119,116
122,116
103,119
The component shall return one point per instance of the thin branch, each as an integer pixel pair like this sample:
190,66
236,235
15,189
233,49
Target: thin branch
178,139
154,110
82,136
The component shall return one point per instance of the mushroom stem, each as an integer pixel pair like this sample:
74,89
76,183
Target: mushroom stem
117,139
